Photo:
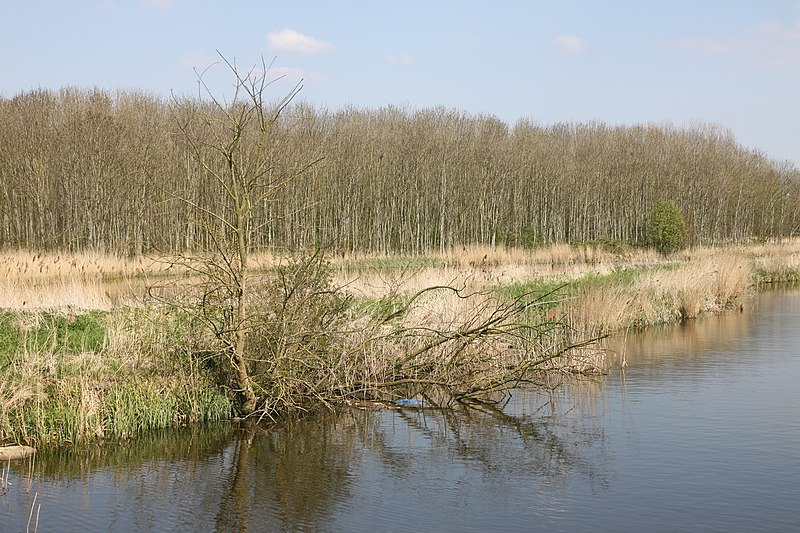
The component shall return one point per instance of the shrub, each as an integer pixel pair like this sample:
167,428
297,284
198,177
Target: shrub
666,229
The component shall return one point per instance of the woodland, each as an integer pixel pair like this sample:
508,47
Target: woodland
111,171
244,202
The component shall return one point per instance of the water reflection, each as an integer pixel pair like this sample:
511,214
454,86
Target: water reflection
701,433
682,342
309,474
692,341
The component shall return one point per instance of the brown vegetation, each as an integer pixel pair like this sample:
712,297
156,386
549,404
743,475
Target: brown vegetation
104,171
380,331
701,285
215,186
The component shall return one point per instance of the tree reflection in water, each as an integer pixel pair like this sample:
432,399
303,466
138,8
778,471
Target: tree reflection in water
314,473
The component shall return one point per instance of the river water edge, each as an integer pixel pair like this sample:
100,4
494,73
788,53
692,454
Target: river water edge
699,430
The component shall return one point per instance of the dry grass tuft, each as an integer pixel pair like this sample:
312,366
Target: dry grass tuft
709,283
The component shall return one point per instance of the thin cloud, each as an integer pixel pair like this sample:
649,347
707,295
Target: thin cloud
570,44
162,5
402,59
769,44
288,40
291,74
775,44
462,39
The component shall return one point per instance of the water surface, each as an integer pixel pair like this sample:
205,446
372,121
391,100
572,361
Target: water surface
699,430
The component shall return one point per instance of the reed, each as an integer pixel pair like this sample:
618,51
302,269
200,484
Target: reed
77,280
706,284
71,378
38,266
68,375
38,508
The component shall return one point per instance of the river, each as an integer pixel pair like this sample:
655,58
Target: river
699,430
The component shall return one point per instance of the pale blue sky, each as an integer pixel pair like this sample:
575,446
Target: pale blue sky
730,62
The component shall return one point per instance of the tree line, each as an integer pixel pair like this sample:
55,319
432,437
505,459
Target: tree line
113,171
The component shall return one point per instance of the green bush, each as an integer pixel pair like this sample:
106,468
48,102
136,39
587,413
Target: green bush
666,229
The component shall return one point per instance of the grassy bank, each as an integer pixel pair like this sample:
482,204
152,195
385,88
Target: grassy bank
66,377
597,290
75,367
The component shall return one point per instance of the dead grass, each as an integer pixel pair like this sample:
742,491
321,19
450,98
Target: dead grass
687,285
707,283
63,293
81,281
480,267
93,281
691,284
778,262
29,266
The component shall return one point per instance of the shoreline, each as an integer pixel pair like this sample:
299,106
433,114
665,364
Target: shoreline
71,376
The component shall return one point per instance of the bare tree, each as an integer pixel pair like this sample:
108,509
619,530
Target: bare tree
234,145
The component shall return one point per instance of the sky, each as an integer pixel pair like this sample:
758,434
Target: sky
732,63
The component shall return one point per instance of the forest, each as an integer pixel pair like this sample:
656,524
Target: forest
114,172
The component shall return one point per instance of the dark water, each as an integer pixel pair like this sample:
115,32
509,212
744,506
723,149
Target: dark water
700,432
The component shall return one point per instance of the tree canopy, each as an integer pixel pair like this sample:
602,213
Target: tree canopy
102,170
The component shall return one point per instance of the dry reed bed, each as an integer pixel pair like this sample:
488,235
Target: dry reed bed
706,284
100,392
691,283
43,266
481,267
84,280
93,281
81,280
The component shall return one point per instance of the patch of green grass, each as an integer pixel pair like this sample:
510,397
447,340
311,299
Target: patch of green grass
782,275
57,332
550,292
383,307
61,382
71,413
558,288
134,408
625,276
9,339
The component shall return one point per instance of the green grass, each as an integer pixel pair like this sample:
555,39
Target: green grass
783,275
70,413
378,308
63,382
557,288
35,331
130,409
552,292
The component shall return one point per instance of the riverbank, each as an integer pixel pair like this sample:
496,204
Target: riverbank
73,375
103,366
594,289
